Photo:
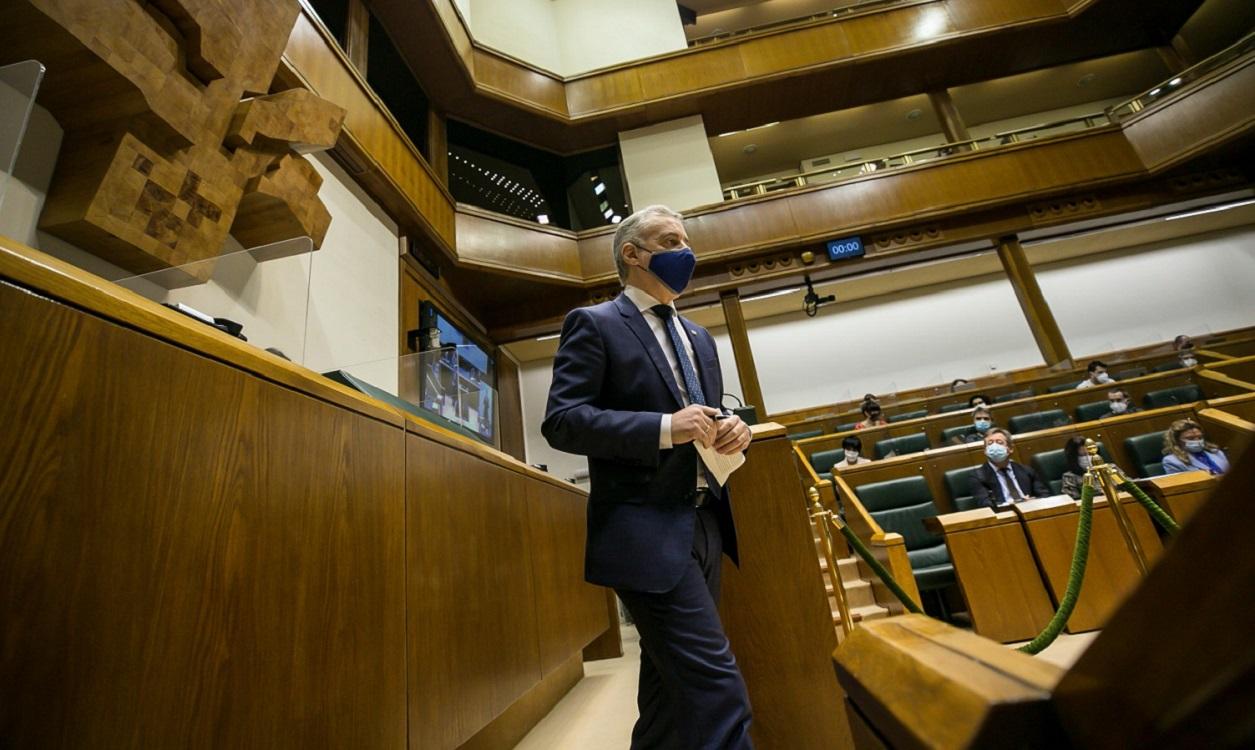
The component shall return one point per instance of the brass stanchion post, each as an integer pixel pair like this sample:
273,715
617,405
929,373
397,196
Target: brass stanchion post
819,522
1107,476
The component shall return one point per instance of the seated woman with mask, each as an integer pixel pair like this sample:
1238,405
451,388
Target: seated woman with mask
1077,462
1185,448
853,453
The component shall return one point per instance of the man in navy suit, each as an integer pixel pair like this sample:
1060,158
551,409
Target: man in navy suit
635,387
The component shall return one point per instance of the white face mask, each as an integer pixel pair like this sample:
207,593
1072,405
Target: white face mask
1119,407
1188,361
997,452
1084,461
1102,377
851,456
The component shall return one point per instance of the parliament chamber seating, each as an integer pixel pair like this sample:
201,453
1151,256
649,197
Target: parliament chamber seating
806,434
1060,387
908,415
950,433
1050,466
1132,372
1013,396
823,461
1166,366
900,506
1092,411
1035,421
1186,394
846,426
1146,453
897,446
952,407
959,487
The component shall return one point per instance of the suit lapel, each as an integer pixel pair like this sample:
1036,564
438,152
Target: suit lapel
636,322
704,352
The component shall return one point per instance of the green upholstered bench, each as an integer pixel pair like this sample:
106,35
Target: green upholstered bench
901,505
1147,453
1182,394
901,445
1038,420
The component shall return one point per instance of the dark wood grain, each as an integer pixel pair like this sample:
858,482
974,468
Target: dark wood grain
180,565
774,608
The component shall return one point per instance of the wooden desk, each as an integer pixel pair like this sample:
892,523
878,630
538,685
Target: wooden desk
1050,524
1005,595
1181,494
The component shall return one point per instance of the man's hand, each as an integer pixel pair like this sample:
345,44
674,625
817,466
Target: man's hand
732,435
694,423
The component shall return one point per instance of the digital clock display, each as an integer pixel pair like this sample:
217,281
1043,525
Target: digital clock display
850,247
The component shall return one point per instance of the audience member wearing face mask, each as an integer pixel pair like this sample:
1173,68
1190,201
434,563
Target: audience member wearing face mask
872,416
853,453
1186,449
1077,461
1119,402
979,399
1000,482
981,423
1097,375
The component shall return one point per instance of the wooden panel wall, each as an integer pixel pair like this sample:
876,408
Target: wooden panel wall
180,565
202,545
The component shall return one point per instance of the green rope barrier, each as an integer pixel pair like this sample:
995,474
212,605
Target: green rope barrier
1076,576
879,569
1165,521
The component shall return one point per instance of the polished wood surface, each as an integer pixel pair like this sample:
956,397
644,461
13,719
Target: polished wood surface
747,371
254,586
508,729
1237,368
180,565
147,98
888,547
1110,573
1182,494
997,574
1041,321
491,241
1195,693
608,645
919,683
1231,432
510,427
774,608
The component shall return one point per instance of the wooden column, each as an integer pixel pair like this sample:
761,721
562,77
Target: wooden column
438,145
951,121
751,391
1040,320
357,34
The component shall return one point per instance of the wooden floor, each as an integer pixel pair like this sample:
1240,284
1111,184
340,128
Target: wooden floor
600,710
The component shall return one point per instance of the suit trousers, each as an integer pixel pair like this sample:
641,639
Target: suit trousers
691,693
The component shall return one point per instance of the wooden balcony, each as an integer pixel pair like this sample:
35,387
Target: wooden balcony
858,58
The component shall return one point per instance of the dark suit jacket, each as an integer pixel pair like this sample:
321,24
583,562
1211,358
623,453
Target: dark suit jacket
987,490
611,386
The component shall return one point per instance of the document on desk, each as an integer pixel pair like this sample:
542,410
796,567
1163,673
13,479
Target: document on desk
719,465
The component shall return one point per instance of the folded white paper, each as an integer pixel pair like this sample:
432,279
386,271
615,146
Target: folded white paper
719,465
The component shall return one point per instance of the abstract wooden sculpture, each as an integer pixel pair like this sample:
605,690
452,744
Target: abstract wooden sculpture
171,140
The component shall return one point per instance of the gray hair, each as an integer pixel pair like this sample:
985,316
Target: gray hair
631,229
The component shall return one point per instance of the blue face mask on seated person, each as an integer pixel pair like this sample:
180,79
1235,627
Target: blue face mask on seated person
982,424
1195,446
997,452
673,267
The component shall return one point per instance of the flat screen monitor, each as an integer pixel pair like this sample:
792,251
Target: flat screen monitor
457,377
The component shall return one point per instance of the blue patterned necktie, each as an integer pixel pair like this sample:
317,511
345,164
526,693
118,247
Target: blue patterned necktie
677,345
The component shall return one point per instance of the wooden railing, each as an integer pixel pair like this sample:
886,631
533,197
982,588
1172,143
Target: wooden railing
917,156
789,24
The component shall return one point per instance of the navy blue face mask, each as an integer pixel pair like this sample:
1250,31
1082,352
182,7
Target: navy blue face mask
673,268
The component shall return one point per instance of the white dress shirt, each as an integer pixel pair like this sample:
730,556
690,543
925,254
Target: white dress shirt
644,301
1008,497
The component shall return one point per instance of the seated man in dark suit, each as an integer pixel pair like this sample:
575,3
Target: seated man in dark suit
999,482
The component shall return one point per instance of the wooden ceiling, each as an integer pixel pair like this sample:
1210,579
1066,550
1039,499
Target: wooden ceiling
780,76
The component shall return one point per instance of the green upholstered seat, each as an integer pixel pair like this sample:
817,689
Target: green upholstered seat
822,461
1182,394
1061,387
1147,453
901,505
1132,372
900,445
1092,411
1038,420
845,427
1170,365
952,407
908,415
1026,393
826,475
958,485
950,433
806,434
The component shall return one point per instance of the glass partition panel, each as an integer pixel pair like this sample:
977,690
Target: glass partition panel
19,83
263,303
445,386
